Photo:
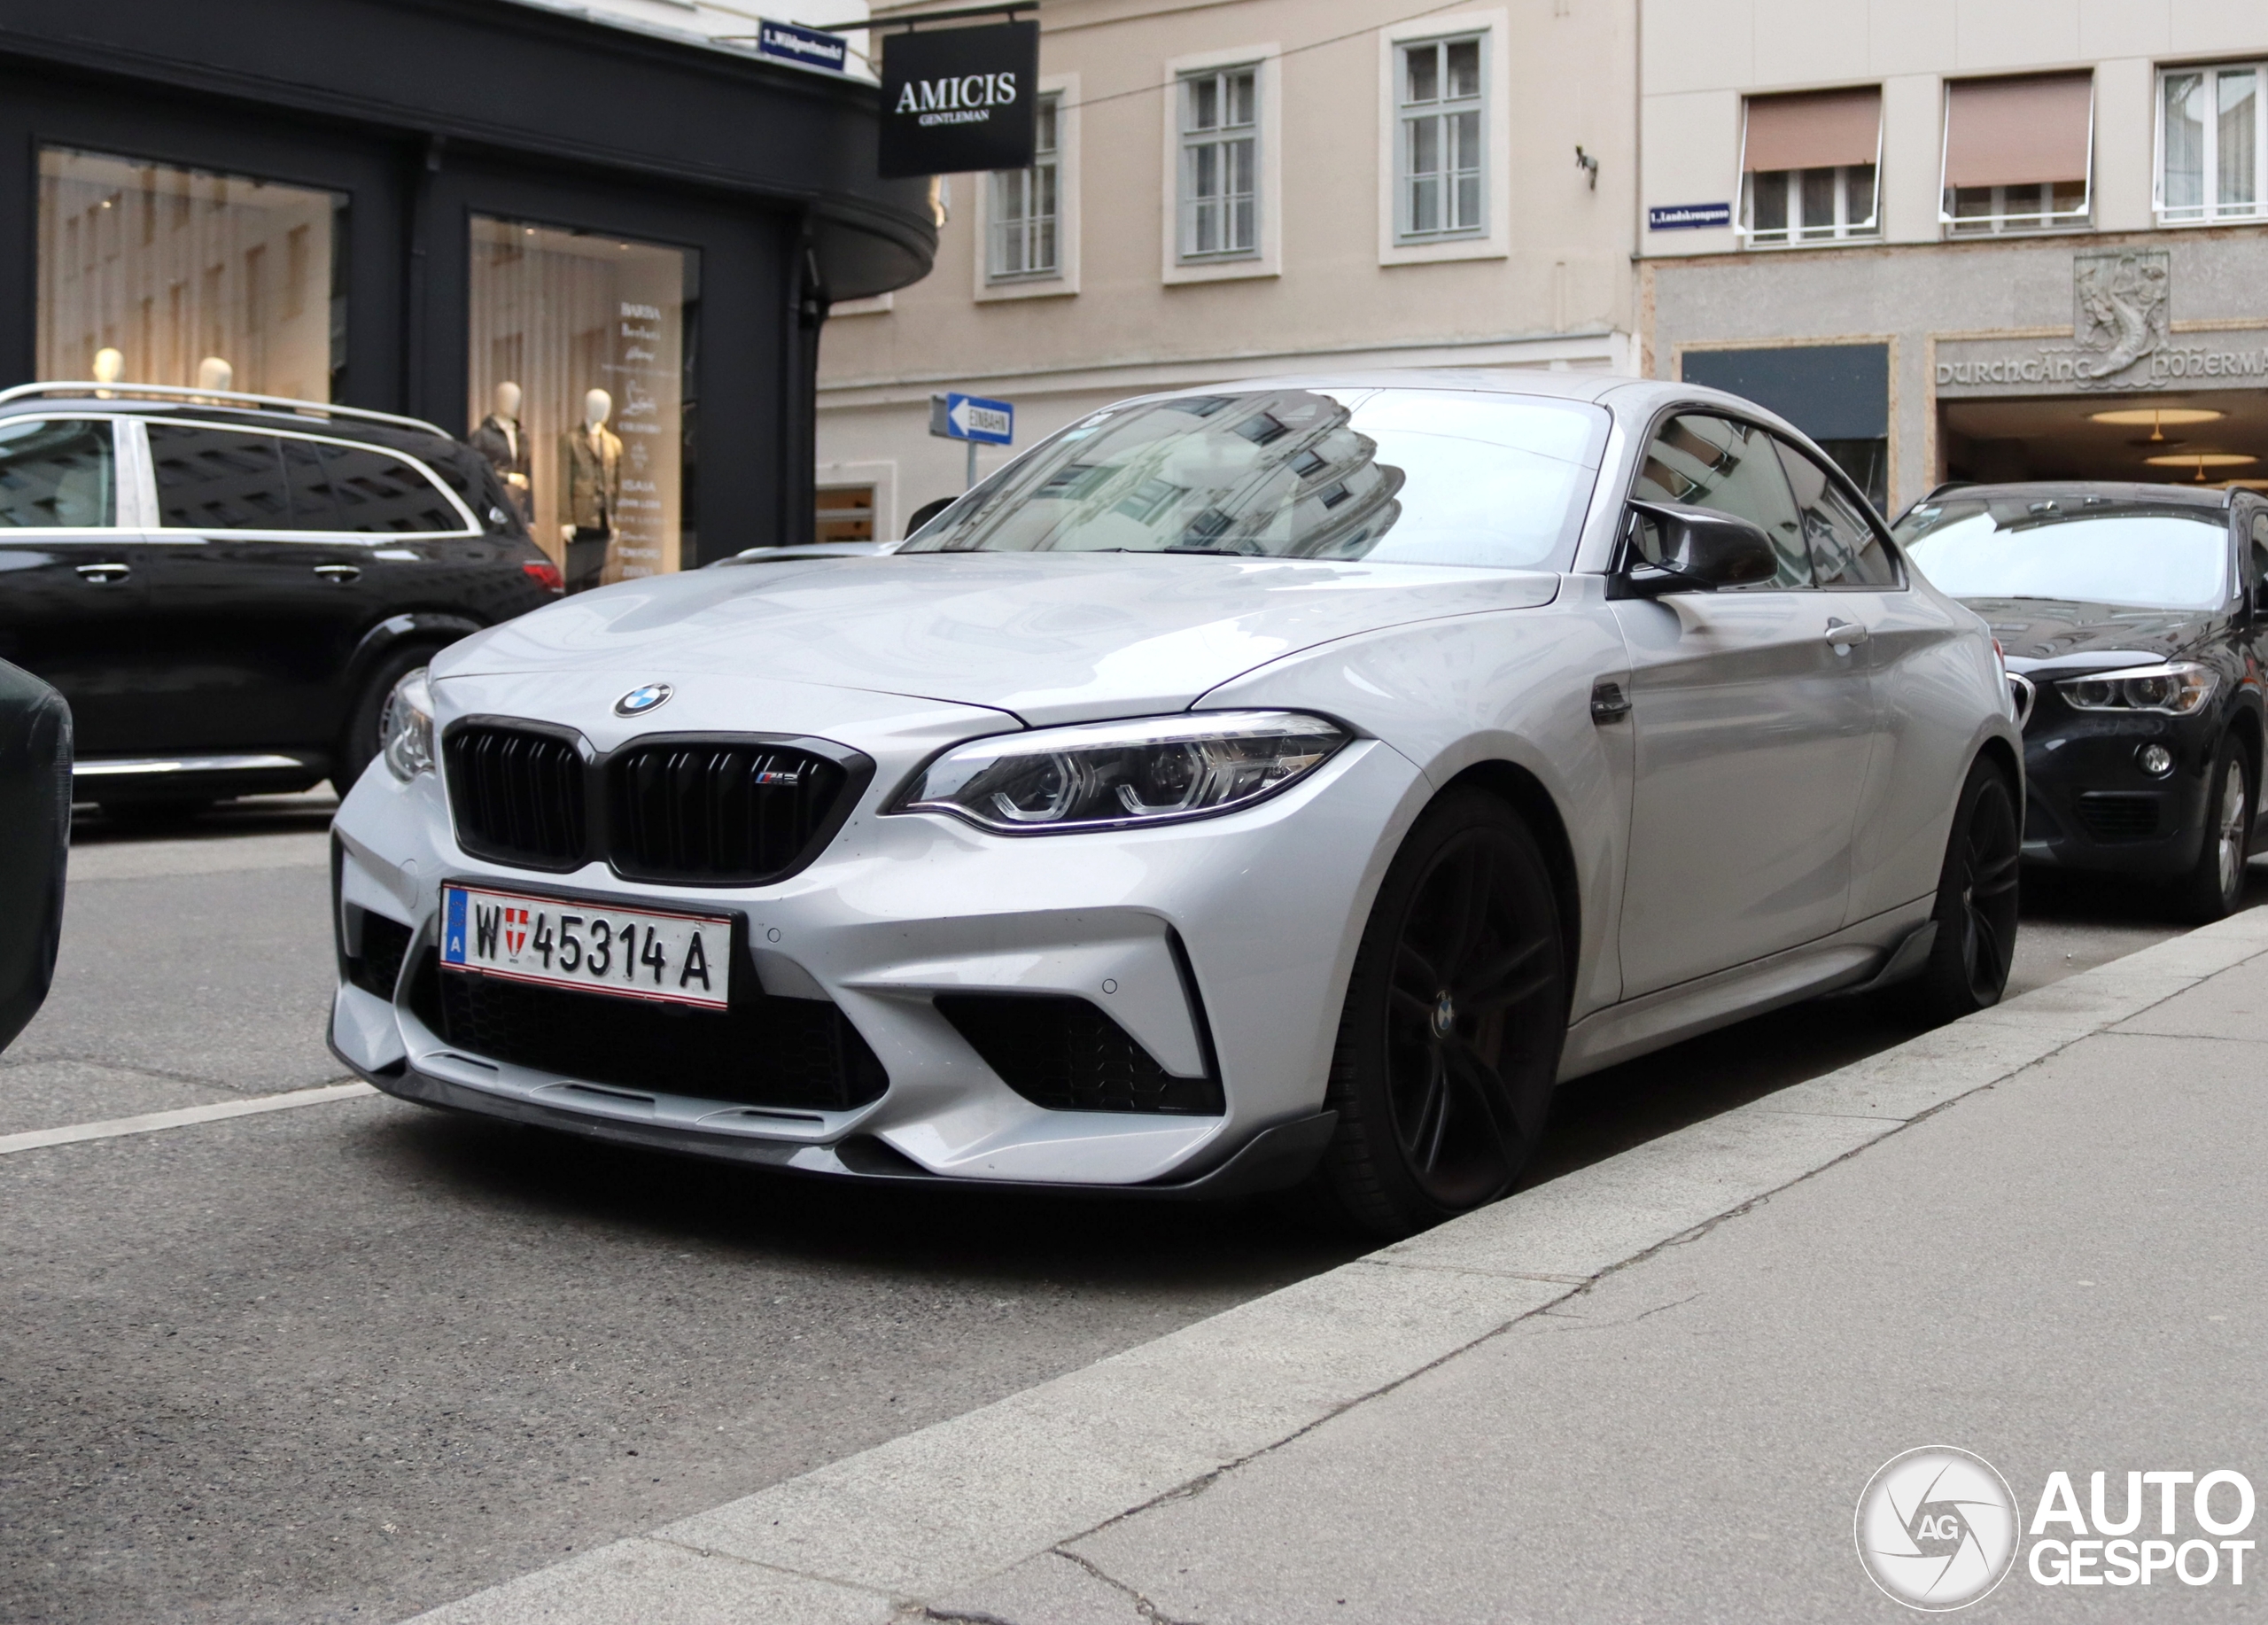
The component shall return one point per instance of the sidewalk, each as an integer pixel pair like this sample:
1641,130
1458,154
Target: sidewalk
1651,1389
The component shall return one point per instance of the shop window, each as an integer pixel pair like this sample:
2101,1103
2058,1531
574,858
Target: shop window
1220,165
2212,143
1438,154
1026,206
579,391
846,513
1811,166
151,273
2018,154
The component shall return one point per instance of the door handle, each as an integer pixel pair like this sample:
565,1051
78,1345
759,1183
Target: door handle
98,575
1843,634
340,573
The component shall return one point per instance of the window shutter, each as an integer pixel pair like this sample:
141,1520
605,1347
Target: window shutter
2017,132
1817,129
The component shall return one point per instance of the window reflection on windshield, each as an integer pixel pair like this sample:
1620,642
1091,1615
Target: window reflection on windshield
1414,476
2165,558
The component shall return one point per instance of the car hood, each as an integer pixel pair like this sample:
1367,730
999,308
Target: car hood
2052,633
1050,637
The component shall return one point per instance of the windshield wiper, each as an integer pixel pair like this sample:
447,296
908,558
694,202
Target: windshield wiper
1211,552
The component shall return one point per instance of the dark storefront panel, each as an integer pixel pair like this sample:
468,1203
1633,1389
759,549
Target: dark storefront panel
1837,394
734,199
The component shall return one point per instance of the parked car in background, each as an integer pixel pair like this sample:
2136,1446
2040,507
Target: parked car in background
226,588
2133,620
35,820
1277,781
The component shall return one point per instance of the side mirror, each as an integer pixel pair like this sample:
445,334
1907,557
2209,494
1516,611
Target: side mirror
2260,600
1701,550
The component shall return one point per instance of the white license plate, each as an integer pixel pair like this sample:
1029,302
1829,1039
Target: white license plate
684,959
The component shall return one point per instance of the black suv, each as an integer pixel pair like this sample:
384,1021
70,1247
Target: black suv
226,588
2133,620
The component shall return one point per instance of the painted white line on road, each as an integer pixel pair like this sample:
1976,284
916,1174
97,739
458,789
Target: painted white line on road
150,1123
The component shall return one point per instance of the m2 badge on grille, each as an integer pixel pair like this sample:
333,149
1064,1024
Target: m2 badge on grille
634,953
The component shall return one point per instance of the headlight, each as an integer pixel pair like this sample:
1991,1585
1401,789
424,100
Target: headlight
2177,688
406,726
1115,774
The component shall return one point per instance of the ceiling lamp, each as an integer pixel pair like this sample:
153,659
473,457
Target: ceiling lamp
2157,417
2201,461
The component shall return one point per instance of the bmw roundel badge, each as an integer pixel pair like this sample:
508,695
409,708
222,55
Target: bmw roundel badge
638,702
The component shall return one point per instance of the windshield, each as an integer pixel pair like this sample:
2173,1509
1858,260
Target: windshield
1409,476
2161,558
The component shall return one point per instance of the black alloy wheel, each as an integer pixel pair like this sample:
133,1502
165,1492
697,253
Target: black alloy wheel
1448,1045
2214,887
1976,915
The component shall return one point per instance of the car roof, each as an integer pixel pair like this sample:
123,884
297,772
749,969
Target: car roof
2122,492
216,406
1626,396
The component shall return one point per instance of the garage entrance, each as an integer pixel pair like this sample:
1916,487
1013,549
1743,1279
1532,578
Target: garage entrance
2211,437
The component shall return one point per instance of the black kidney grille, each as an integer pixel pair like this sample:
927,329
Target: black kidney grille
731,813
763,1051
517,796
1062,1052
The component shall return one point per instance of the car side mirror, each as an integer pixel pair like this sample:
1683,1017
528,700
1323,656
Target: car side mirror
2259,597
1701,550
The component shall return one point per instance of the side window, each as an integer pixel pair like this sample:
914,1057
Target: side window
1708,462
2258,564
378,491
1844,549
56,474
218,479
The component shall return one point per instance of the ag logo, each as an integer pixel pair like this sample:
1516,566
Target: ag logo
1937,1528
638,702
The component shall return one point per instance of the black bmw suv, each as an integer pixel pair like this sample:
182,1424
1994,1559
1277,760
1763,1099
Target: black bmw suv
226,588
2133,619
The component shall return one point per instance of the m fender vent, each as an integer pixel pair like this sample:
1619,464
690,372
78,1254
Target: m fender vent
1062,1052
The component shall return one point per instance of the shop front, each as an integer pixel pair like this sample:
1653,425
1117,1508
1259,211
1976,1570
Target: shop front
600,255
2134,356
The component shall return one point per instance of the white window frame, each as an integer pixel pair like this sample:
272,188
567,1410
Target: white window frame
1064,279
1493,240
2210,211
880,474
2033,222
1266,257
1846,231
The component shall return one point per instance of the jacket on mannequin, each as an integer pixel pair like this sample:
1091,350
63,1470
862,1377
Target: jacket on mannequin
505,444
590,478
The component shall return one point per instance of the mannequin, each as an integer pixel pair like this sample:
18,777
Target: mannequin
109,366
590,491
499,440
214,373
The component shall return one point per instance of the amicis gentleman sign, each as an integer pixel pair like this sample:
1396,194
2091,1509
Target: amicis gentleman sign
959,99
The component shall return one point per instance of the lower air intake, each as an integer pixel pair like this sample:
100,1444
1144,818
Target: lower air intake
1062,1052
762,1052
2120,815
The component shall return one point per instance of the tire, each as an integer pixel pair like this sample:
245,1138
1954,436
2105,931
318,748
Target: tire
1975,915
2215,886
359,743
1457,1011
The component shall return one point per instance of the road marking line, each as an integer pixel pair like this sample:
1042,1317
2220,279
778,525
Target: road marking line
150,1123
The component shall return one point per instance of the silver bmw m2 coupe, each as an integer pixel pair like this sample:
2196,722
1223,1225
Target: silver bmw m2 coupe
1286,782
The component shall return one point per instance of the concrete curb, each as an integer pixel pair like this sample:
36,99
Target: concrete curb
873,1536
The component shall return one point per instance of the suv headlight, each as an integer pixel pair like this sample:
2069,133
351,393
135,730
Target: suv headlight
1103,776
2177,688
406,726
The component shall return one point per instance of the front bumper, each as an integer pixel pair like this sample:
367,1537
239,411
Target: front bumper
1218,945
2089,805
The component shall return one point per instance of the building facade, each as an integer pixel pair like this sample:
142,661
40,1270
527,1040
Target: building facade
1966,239
603,250
1253,187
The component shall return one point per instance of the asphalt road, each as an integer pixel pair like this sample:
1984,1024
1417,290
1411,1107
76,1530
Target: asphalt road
353,1360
